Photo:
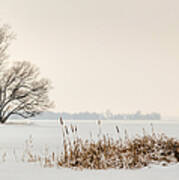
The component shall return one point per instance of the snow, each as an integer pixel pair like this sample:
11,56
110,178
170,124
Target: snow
48,133
20,171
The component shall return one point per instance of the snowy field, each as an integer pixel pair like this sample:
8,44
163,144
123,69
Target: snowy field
48,134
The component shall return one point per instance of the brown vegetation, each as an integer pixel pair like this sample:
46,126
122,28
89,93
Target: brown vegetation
107,152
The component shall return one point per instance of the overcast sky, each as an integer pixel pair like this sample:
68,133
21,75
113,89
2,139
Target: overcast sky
121,55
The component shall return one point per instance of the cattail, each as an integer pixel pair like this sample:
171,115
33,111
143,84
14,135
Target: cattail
72,128
66,129
107,152
117,129
99,122
61,121
76,129
53,156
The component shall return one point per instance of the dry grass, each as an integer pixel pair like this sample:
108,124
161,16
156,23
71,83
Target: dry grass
45,159
108,152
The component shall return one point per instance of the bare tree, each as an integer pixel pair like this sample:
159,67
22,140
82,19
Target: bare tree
5,38
22,92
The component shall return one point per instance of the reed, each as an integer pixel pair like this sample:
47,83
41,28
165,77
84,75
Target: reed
108,152
45,159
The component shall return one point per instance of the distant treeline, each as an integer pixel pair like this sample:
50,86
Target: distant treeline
110,116
97,116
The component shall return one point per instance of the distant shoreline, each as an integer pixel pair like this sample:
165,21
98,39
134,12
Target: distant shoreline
108,115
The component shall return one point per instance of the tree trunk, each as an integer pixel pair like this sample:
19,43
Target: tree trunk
2,120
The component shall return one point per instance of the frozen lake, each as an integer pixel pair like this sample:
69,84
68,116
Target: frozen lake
48,132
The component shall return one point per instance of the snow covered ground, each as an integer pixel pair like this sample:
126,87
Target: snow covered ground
48,134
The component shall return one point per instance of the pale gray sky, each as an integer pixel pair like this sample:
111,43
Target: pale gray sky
121,55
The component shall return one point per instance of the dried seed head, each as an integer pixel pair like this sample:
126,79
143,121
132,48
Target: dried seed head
76,129
53,156
117,129
72,128
99,122
66,129
61,121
